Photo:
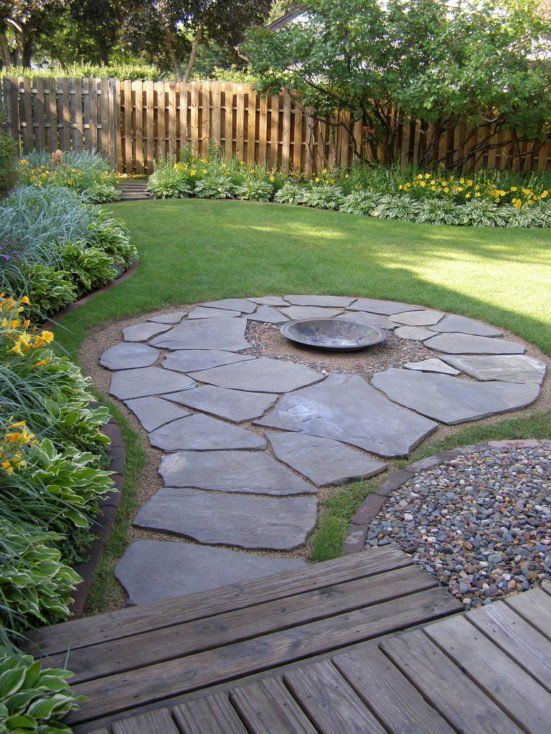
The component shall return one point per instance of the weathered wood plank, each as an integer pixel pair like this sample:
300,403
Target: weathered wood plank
267,707
297,139
274,130
27,126
128,126
535,608
78,137
330,702
152,722
263,130
395,701
286,133
251,128
514,690
149,133
39,115
228,121
194,119
445,686
51,115
240,121
137,88
208,715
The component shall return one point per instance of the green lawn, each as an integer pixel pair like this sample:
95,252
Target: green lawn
194,250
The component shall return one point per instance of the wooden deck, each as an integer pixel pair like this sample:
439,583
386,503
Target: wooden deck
315,650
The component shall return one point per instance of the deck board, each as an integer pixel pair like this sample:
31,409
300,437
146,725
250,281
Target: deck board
268,706
214,714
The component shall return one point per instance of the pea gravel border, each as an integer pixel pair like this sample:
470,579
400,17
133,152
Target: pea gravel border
375,501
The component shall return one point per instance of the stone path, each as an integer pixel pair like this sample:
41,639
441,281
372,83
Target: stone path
247,440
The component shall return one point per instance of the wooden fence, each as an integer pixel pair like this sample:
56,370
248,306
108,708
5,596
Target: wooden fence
135,123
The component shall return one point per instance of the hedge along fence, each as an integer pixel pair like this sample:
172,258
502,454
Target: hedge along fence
135,123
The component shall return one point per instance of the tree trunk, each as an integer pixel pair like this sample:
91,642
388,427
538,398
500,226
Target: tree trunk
27,51
193,54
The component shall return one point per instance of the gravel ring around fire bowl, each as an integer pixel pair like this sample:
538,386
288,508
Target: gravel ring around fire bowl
481,522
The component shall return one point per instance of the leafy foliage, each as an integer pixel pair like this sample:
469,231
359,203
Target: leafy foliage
324,196
290,193
8,161
360,202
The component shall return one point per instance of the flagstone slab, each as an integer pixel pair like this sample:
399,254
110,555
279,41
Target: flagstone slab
345,408
128,355
323,460
143,332
235,405
155,412
452,400
470,344
172,317
426,317
504,367
432,365
330,301
213,313
191,360
252,472
227,334
202,433
462,324
417,333
268,314
154,570
139,383
371,319
269,301
260,375
232,304
297,313
217,518
374,305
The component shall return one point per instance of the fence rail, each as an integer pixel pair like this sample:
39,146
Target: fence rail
135,123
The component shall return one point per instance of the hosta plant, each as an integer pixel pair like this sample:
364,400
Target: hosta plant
100,193
360,202
324,196
290,193
166,182
400,207
254,188
483,213
88,267
437,211
217,185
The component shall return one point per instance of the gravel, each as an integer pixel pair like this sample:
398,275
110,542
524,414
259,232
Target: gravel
480,523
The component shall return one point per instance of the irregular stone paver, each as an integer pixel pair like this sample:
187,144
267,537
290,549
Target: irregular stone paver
153,570
231,471
374,305
143,332
450,399
505,367
331,301
212,313
432,365
467,344
232,304
260,375
190,360
269,301
268,314
371,319
346,408
464,325
172,317
247,521
296,313
235,405
418,318
139,383
202,433
205,334
154,412
127,355
323,460
417,333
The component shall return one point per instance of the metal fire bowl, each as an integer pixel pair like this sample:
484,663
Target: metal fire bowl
344,335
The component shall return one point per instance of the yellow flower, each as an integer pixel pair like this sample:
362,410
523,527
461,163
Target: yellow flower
6,465
24,162
422,184
467,196
514,188
427,175
25,300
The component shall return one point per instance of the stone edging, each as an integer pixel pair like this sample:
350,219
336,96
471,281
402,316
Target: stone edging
104,522
374,502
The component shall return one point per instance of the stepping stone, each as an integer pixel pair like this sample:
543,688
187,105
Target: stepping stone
418,318
269,301
345,408
322,460
387,308
126,356
450,399
154,412
260,375
331,301
467,344
431,365
205,334
269,315
296,313
143,332
139,383
212,313
235,405
172,317
247,521
232,304
464,325
505,367
190,360
371,319
154,570
231,471
202,433
418,333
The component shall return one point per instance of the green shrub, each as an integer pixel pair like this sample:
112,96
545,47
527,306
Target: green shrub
49,289
324,196
255,188
100,193
166,182
483,213
8,161
436,211
88,267
216,185
86,173
360,202
290,193
399,207
110,235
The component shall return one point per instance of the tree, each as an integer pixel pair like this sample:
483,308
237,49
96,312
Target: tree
21,21
379,63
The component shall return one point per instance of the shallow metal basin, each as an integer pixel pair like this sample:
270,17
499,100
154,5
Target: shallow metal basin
345,335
